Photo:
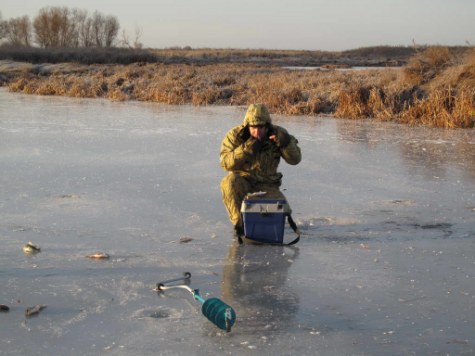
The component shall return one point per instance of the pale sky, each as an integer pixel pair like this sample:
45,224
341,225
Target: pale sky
278,24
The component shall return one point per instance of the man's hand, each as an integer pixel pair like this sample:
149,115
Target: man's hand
281,139
244,134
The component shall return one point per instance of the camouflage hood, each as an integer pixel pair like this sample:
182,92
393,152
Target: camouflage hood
257,114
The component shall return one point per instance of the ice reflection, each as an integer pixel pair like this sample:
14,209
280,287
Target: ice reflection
424,151
254,282
358,131
434,158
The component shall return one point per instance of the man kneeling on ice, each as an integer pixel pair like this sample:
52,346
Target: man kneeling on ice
251,153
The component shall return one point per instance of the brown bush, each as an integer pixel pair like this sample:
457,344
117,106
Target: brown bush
459,76
353,103
205,97
380,105
18,85
117,94
442,109
47,89
427,64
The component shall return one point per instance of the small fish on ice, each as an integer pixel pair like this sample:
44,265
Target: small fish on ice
31,311
99,256
30,248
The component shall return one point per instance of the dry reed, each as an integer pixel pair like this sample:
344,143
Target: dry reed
435,89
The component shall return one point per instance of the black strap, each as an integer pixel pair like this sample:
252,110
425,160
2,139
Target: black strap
294,227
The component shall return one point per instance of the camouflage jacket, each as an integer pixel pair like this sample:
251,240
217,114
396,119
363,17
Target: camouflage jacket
237,155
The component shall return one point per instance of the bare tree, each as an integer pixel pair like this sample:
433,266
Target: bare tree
111,29
62,27
87,34
138,34
136,43
83,26
124,41
52,27
17,31
2,28
67,28
97,32
104,29
41,27
74,20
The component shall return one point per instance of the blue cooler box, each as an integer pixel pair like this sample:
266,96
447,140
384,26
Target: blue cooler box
264,219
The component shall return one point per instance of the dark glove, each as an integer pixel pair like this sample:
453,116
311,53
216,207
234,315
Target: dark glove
282,139
253,146
244,134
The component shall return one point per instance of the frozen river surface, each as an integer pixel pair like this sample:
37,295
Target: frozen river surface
386,263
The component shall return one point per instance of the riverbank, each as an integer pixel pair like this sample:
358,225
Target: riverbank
435,88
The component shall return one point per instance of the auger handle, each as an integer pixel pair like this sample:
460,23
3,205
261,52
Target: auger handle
161,286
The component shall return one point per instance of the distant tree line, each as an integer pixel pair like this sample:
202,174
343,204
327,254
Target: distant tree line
56,27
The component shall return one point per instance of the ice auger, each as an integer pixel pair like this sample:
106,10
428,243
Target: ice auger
218,312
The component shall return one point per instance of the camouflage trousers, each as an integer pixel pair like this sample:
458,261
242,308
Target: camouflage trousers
235,187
